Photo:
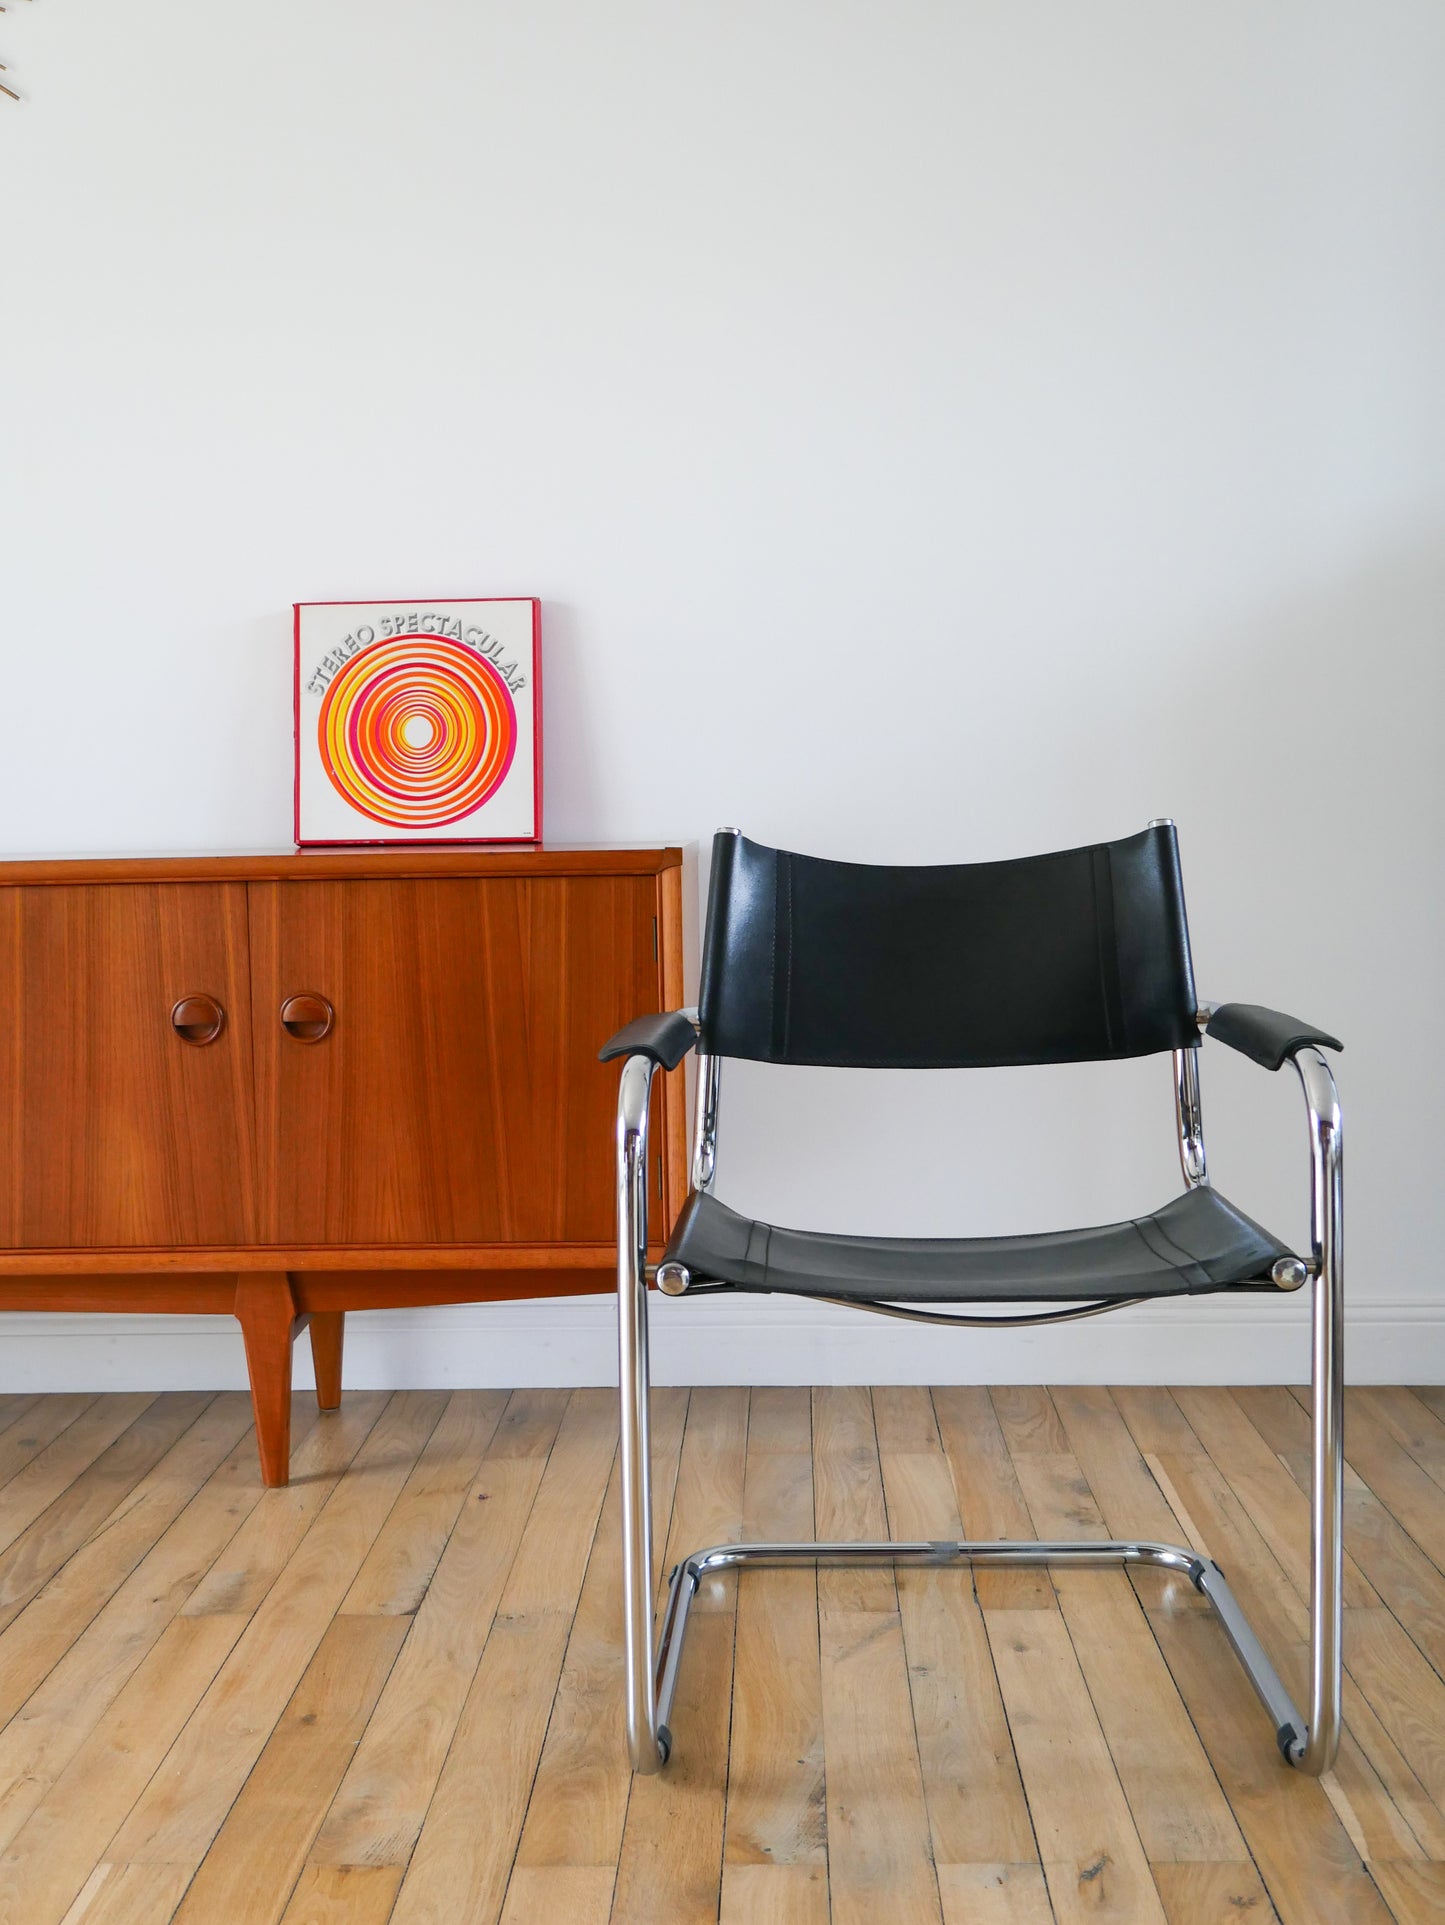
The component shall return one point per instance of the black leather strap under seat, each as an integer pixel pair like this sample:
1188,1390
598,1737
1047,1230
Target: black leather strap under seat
1197,1243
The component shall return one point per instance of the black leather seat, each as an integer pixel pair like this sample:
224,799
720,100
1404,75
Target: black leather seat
1197,1243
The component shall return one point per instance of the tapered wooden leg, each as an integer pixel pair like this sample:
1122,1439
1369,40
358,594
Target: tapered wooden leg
328,1331
266,1311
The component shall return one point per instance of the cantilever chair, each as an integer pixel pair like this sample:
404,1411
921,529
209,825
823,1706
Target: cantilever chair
1077,956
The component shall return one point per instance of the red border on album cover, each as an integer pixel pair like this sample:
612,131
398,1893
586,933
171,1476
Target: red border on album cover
356,842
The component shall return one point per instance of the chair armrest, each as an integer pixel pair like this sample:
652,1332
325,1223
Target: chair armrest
1265,1035
663,1039
646,1044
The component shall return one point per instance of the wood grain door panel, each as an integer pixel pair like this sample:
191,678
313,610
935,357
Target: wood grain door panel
458,1097
113,1130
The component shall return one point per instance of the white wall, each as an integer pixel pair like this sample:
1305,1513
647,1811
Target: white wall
937,431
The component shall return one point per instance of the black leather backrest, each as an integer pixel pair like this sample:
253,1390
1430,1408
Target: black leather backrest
1072,957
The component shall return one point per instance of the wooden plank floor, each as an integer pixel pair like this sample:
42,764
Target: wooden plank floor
391,1691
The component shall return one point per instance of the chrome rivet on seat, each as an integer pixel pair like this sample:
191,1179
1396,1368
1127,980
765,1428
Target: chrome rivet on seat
673,1279
1289,1272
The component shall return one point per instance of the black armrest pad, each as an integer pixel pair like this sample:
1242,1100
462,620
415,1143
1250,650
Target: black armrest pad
666,1039
1265,1035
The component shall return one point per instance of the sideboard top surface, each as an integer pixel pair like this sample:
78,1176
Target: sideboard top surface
284,865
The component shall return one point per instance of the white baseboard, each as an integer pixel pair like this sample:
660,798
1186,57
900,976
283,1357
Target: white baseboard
570,1341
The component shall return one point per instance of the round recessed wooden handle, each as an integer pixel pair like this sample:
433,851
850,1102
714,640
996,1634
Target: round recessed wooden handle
308,1017
198,1019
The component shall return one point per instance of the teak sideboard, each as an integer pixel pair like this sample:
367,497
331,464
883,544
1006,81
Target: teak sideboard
284,1087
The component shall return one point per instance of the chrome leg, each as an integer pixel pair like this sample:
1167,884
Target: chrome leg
1258,1666
652,1677
1314,1750
646,1743
1202,1572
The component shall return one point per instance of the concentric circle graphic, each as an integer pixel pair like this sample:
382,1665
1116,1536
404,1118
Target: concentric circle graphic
417,732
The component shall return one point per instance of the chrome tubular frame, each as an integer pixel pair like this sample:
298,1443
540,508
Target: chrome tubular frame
1189,1118
704,1121
652,1664
999,1322
1314,1749
1202,1572
647,1744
